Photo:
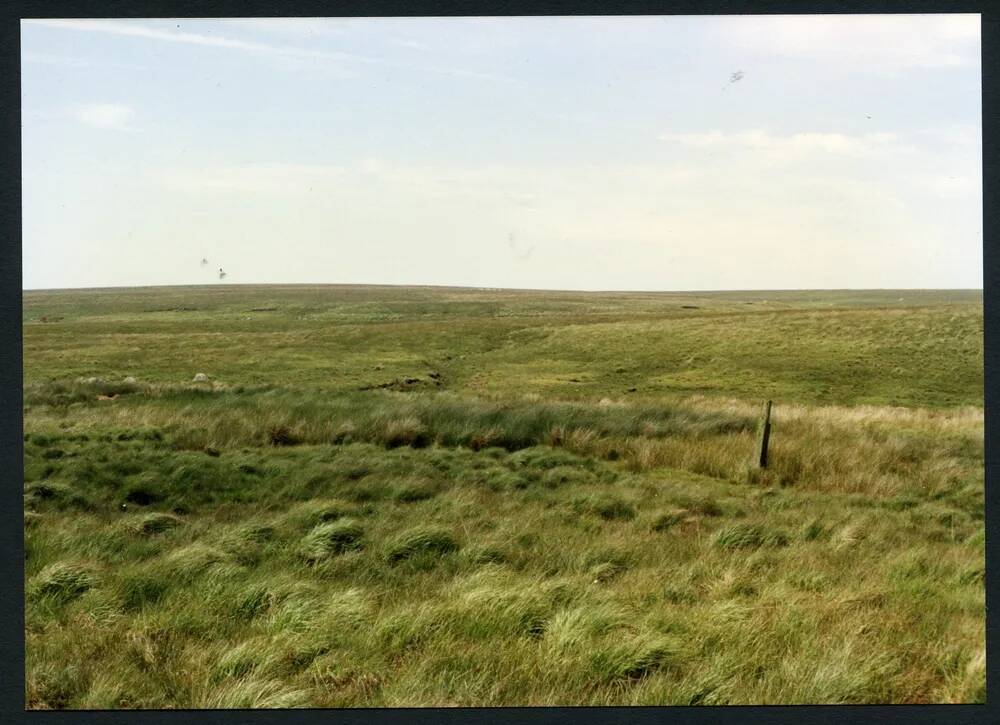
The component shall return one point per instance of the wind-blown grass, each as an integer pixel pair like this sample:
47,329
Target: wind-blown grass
564,513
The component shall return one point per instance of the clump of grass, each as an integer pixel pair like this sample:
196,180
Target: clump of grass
315,511
329,539
700,506
809,582
972,575
51,685
574,627
282,435
814,530
606,571
484,554
667,519
144,492
56,494
142,589
413,491
62,581
565,475
254,693
606,505
634,657
408,431
421,540
241,660
748,536
679,594
256,533
252,603
493,602
189,561
153,523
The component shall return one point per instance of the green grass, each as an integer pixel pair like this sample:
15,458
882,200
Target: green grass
436,497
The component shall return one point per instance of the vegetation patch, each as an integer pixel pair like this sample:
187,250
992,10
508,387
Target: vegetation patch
421,540
749,536
154,523
331,538
605,505
62,581
527,533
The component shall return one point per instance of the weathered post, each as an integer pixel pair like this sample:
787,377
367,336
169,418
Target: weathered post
763,435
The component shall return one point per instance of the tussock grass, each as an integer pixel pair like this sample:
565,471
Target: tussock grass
635,657
330,539
61,581
153,523
605,505
55,494
749,536
558,511
423,540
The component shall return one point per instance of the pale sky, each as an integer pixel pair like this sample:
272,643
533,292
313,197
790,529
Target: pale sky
605,153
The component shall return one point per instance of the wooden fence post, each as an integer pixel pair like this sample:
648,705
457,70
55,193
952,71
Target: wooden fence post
763,435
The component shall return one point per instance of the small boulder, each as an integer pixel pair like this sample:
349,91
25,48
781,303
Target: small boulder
130,380
200,378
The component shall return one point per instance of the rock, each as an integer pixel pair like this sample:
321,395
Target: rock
92,381
130,380
200,378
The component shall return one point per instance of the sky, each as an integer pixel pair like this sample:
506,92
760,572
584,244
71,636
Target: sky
590,153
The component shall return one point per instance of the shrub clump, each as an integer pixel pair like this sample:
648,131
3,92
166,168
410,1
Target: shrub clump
62,581
423,540
329,539
749,536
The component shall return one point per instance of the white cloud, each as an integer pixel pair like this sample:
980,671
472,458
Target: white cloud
175,35
67,61
329,59
105,115
879,43
254,177
792,146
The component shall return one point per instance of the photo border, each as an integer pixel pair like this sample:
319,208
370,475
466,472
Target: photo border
11,364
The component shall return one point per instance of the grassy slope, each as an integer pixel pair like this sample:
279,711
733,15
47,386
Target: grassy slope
555,511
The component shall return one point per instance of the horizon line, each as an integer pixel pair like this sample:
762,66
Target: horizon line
501,289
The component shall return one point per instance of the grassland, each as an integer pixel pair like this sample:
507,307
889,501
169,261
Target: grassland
419,496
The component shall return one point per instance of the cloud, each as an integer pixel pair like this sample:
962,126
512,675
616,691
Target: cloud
118,27
105,115
874,42
792,146
254,177
68,61
330,59
411,44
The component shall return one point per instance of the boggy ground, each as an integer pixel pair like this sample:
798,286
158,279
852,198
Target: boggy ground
417,496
